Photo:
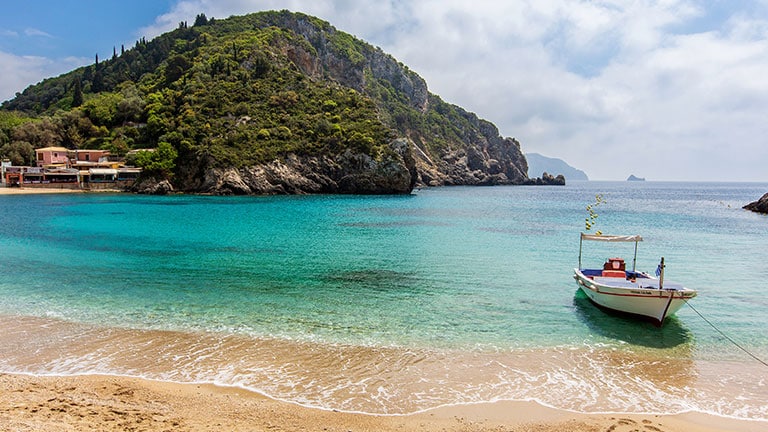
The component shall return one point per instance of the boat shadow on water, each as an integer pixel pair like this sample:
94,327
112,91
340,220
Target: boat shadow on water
619,326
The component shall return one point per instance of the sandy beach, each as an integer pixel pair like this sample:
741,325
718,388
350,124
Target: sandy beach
35,190
50,190
107,403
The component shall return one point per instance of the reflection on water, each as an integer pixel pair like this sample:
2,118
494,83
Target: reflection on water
631,330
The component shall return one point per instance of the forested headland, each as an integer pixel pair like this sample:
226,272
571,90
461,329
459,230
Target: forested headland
273,102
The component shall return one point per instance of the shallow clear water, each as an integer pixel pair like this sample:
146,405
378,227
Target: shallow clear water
391,304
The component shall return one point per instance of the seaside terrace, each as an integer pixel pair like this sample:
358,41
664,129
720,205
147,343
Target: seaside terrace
58,167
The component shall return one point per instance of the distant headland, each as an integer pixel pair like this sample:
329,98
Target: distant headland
538,164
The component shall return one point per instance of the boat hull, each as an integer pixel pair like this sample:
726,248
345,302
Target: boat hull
641,298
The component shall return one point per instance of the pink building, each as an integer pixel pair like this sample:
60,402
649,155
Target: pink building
89,155
52,156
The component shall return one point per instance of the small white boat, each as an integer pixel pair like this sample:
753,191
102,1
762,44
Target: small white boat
632,292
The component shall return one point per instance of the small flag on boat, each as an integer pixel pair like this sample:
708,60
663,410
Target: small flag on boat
658,270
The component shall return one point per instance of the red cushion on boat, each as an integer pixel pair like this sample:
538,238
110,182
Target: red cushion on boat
614,273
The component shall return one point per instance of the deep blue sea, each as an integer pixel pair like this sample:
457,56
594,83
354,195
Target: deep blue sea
392,304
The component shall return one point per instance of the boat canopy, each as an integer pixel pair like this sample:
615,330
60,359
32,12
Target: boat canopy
612,238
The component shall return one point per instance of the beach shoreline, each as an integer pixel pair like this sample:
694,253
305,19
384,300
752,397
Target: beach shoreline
111,403
35,191
51,191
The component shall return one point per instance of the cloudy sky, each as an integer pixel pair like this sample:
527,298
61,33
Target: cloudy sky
663,89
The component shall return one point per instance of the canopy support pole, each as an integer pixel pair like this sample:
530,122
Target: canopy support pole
634,260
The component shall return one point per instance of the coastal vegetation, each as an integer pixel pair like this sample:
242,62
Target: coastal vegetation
248,91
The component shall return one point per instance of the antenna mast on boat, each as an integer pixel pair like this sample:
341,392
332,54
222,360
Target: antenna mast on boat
661,273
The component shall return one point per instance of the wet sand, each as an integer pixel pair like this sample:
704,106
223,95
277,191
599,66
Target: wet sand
108,403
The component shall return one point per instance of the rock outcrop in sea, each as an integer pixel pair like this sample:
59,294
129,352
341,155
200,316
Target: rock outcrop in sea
547,179
759,206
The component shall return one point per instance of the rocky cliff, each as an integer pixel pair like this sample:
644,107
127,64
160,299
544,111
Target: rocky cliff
349,172
476,156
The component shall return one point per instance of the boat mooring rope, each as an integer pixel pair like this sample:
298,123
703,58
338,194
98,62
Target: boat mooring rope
726,336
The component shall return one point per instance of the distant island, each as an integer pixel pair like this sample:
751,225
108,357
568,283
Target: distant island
538,164
633,178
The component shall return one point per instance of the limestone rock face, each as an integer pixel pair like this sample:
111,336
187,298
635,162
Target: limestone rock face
759,206
487,159
482,158
153,186
326,62
347,173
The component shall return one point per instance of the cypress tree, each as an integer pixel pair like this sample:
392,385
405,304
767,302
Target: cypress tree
97,84
200,20
77,94
88,73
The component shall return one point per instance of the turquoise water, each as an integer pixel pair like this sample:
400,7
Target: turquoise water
467,291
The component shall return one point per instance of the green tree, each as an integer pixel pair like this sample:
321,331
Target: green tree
161,161
8,121
200,20
97,83
177,65
131,107
77,94
20,153
102,109
118,146
43,133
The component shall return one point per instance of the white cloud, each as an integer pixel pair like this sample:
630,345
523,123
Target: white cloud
36,32
18,72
